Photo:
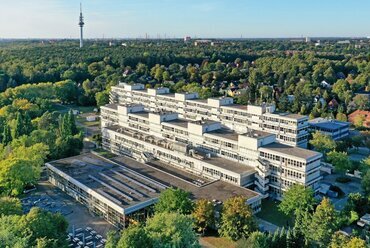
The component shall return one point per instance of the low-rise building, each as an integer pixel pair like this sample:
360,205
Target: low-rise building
333,128
123,191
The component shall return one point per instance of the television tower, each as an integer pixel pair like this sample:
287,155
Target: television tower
81,24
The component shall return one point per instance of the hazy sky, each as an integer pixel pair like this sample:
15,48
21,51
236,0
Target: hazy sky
201,18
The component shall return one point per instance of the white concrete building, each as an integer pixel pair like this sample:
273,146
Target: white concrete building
226,150
290,129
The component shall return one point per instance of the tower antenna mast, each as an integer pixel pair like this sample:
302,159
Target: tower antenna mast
81,24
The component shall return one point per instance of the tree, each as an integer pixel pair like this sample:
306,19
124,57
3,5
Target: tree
256,240
339,240
39,223
15,174
265,92
324,223
339,160
356,242
204,215
27,124
10,206
134,237
102,98
362,102
10,232
322,142
365,183
237,219
174,200
7,135
358,203
112,239
172,230
297,199
19,126
38,228
358,120
66,91
67,125
341,117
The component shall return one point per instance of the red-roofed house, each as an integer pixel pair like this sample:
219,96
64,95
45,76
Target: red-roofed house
366,114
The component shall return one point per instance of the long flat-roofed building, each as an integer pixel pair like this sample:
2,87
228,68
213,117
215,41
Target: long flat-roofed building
123,190
208,148
290,129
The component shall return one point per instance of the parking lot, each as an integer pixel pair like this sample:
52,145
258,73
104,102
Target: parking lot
54,200
85,238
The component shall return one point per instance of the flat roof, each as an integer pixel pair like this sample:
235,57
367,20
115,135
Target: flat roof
204,101
204,122
124,187
144,114
236,106
171,95
224,133
216,190
328,124
111,106
290,116
290,150
178,122
232,135
230,165
257,134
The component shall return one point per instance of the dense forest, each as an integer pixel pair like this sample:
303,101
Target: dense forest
320,80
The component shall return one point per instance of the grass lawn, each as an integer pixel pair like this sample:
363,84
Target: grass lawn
59,108
218,242
84,122
271,213
91,123
65,108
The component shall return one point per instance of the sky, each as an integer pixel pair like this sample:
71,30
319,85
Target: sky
179,18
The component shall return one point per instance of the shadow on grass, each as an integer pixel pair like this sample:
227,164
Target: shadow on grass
270,212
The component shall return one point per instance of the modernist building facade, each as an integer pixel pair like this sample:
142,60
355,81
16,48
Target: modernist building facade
217,147
290,129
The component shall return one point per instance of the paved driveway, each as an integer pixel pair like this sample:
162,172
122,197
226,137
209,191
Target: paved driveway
352,187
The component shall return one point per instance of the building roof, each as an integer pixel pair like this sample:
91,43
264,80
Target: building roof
257,134
236,106
230,165
143,114
290,151
328,124
111,106
353,115
224,133
293,116
178,122
113,182
215,190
